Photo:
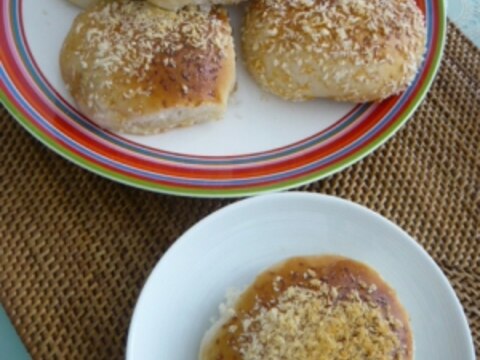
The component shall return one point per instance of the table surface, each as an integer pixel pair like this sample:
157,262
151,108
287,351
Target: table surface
465,13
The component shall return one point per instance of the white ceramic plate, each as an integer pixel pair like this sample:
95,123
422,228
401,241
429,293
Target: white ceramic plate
263,143
229,248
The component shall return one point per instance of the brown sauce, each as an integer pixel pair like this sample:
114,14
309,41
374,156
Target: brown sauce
344,274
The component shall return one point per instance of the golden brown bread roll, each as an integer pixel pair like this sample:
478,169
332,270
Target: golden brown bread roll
166,4
312,308
351,50
83,3
135,68
177,4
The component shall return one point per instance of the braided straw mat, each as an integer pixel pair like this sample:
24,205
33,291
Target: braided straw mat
75,248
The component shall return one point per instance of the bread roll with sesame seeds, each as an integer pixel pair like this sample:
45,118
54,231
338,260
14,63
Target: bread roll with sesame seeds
347,50
83,3
135,68
178,4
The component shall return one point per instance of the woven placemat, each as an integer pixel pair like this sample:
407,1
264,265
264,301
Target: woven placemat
75,248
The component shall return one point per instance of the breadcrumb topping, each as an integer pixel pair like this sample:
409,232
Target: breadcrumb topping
314,324
350,33
129,39
312,308
126,34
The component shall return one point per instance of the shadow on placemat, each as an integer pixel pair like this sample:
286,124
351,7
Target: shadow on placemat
76,248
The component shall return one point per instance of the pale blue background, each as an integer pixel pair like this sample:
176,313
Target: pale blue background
11,347
464,13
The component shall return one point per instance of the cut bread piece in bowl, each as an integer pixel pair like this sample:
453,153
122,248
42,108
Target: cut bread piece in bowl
312,308
349,50
135,68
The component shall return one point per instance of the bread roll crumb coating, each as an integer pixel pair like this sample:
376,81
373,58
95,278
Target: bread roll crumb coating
133,67
349,50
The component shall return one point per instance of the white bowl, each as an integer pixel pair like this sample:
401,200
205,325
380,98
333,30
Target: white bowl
230,247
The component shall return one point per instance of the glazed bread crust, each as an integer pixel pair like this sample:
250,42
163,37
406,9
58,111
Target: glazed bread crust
347,50
135,68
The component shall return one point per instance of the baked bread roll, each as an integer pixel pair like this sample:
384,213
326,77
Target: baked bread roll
346,50
135,68
83,3
177,4
312,308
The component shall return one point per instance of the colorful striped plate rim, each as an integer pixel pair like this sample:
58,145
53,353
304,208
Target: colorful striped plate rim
37,106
